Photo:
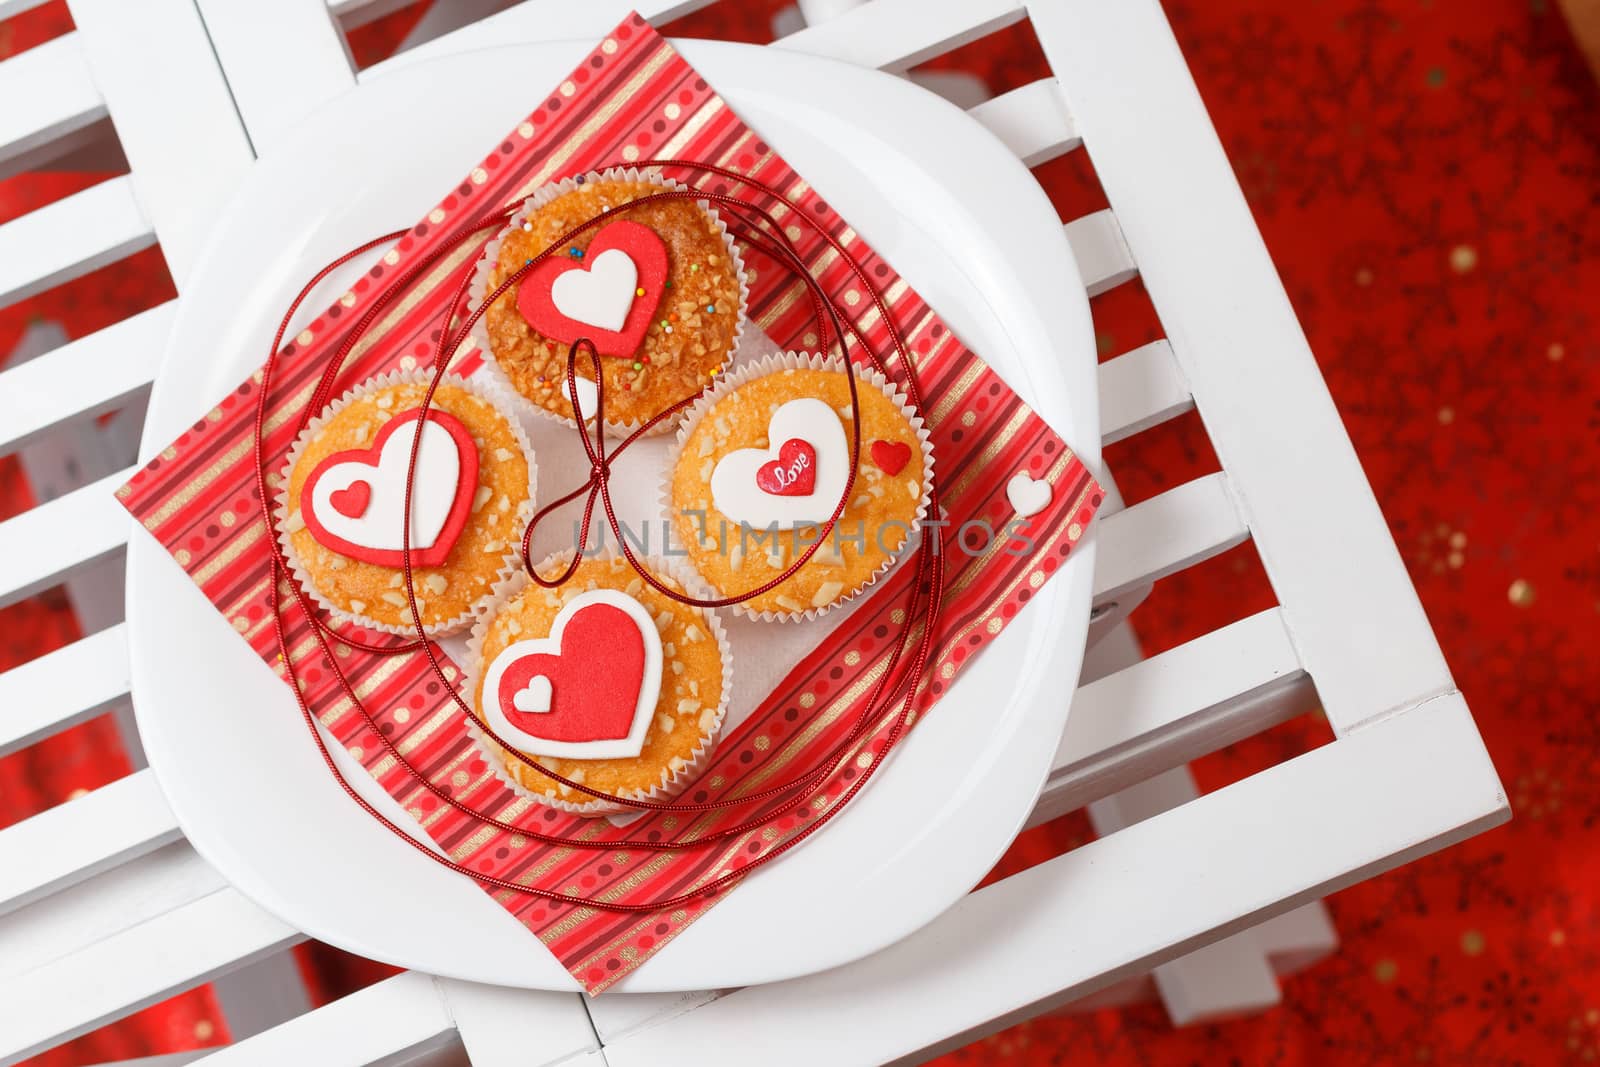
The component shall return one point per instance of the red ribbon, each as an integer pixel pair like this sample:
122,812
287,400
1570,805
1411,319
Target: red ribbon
898,685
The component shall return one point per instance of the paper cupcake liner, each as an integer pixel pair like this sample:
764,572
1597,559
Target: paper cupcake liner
504,406
479,287
795,361
673,782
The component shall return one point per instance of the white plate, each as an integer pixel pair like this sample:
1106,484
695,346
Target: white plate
934,192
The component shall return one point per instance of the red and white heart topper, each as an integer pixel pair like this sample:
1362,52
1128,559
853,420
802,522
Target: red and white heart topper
588,690
354,501
797,481
608,295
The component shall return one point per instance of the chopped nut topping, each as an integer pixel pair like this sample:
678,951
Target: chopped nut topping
826,594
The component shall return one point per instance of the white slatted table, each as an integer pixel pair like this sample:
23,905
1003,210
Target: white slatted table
104,908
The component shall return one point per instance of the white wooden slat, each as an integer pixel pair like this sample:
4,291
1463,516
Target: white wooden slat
48,95
539,20
1298,939
1032,120
897,34
597,1058
494,1024
70,238
1103,257
409,1014
134,968
1165,534
46,544
1140,389
74,841
616,1017
83,378
1174,707
174,116
253,43
1292,941
1226,979
400,1014
1115,907
260,995
1322,540
62,688
1230,976
81,916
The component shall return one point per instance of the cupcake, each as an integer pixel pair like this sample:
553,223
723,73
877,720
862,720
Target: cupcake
341,508
605,681
761,463
659,289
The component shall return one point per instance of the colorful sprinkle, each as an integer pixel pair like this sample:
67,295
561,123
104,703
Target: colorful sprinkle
669,329
694,267
645,358
669,283
639,291
575,253
526,262
711,308
527,227
578,180
637,365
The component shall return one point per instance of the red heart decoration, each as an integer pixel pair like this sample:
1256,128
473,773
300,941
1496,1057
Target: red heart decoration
594,681
649,255
793,473
352,500
891,456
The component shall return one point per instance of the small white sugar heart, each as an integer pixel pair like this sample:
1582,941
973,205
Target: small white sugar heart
600,296
1027,496
588,395
534,698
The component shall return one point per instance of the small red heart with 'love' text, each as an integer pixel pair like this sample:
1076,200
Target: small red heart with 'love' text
793,473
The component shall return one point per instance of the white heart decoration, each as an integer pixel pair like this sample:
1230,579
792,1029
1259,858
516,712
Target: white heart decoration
733,481
534,698
644,709
588,397
381,525
601,295
1027,496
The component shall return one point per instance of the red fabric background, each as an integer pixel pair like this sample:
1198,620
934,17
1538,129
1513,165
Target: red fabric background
1426,176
